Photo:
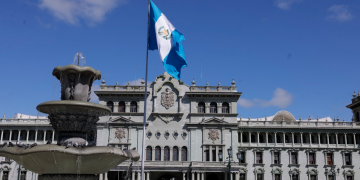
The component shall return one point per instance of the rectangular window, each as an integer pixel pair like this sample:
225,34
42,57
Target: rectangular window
277,176
242,176
242,157
349,178
23,175
294,158
347,159
295,177
220,151
276,158
259,157
213,154
313,177
207,155
331,177
312,158
5,175
329,158
260,177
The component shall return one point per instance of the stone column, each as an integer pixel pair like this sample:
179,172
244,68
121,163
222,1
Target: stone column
284,138
267,138
345,139
53,137
249,138
231,176
101,176
148,175
353,134
129,134
153,153
10,135
203,135
19,133
127,106
207,107
275,138
192,175
138,175
133,175
184,174
2,135
36,132
27,136
258,138
106,176
301,138
219,108
210,153
202,175
44,136
319,142
217,152
222,135
327,138
162,153
336,139
116,107
293,140
241,139
180,154
310,138
171,154
237,177
197,175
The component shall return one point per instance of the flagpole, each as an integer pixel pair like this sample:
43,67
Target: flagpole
145,96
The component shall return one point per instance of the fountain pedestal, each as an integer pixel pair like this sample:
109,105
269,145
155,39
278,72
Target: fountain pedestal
72,117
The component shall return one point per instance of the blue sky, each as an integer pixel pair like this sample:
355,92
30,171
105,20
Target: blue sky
296,55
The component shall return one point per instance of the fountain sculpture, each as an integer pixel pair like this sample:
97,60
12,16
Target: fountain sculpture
72,117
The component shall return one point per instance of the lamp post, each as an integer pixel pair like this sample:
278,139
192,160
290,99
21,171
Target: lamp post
229,163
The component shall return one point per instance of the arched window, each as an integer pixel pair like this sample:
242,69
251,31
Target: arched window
166,153
110,105
121,106
184,153
175,153
213,107
149,153
133,106
201,107
157,153
225,107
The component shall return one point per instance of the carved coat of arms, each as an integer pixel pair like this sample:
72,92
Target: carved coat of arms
167,98
120,133
213,135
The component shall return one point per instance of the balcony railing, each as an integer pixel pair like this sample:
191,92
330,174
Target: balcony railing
122,88
303,124
213,88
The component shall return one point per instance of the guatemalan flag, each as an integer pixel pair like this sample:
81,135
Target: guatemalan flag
164,37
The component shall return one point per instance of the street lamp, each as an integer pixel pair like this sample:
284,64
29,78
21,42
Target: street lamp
229,157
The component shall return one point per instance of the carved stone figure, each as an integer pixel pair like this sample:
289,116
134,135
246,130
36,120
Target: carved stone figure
167,98
213,135
120,133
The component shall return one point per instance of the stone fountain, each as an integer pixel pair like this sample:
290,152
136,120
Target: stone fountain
72,117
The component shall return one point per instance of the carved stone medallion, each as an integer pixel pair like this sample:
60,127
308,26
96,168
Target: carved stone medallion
213,135
120,133
167,98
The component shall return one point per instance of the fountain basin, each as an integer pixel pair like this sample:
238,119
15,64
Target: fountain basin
54,159
70,115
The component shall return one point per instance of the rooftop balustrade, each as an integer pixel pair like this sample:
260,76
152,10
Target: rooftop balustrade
302,124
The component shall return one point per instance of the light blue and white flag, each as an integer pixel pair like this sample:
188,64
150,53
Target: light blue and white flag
164,37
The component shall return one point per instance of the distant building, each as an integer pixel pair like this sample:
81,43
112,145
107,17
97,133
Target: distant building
190,127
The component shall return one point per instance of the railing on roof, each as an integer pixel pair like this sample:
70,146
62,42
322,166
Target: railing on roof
303,124
213,88
122,88
25,121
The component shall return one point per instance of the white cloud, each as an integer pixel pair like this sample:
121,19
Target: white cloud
70,11
285,4
281,99
93,97
340,13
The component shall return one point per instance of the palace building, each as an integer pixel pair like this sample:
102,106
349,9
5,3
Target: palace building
191,130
